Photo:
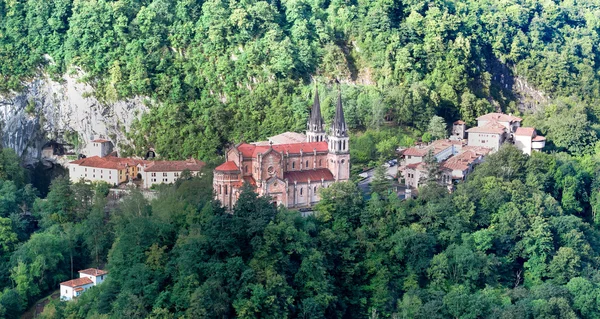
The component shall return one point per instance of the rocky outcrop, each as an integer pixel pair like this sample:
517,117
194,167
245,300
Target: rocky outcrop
62,112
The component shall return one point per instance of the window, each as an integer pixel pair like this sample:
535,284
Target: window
153,174
246,169
306,164
86,169
164,174
293,165
225,189
344,145
300,191
320,163
220,190
315,189
176,174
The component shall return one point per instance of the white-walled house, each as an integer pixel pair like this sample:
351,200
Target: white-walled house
110,169
97,276
88,278
99,147
167,172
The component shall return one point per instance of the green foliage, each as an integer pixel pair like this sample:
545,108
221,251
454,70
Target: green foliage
437,128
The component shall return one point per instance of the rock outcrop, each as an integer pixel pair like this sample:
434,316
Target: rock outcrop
65,113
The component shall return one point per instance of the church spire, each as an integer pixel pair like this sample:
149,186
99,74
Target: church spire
315,127
338,127
315,122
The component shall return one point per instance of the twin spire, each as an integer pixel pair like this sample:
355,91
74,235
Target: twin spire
316,123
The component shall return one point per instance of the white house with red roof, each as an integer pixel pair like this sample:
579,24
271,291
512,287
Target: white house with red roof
167,172
88,278
99,147
117,170
291,168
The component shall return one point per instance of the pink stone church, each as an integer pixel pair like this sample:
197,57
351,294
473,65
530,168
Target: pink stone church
290,167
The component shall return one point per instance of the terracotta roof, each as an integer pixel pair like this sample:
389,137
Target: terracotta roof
79,289
437,147
480,150
538,138
251,150
525,131
314,175
490,128
108,162
459,122
100,140
93,272
192,164
250,180
500,117
77,282
228,166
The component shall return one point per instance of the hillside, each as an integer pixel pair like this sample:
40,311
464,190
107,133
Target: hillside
223,71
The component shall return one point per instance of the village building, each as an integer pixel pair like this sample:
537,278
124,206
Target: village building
291,168
458,156
99,147
110,169
88,278
118,170
167,172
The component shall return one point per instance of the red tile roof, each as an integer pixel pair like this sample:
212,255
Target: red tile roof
314,175
100,140
250,180
77,282
228,166
192,165
525,131
251,150
490,128
500,117
108,162
93,272
538,138
459,122
437,147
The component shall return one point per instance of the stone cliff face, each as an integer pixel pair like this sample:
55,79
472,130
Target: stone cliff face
49,111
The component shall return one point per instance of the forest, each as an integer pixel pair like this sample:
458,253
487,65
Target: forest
519,239
216,72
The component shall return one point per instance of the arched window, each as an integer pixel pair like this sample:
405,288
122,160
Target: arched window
339,145
246,169
315,189
293,165
300,191
320,163
220,189
344,146
343,161
306,164
225,189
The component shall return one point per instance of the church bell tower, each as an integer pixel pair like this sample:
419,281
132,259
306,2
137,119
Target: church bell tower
315,127
338,158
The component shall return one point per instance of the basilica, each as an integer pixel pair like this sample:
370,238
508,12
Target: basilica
290,167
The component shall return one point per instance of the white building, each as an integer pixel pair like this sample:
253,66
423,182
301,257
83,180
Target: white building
167,172
99,147
110,169
88,278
